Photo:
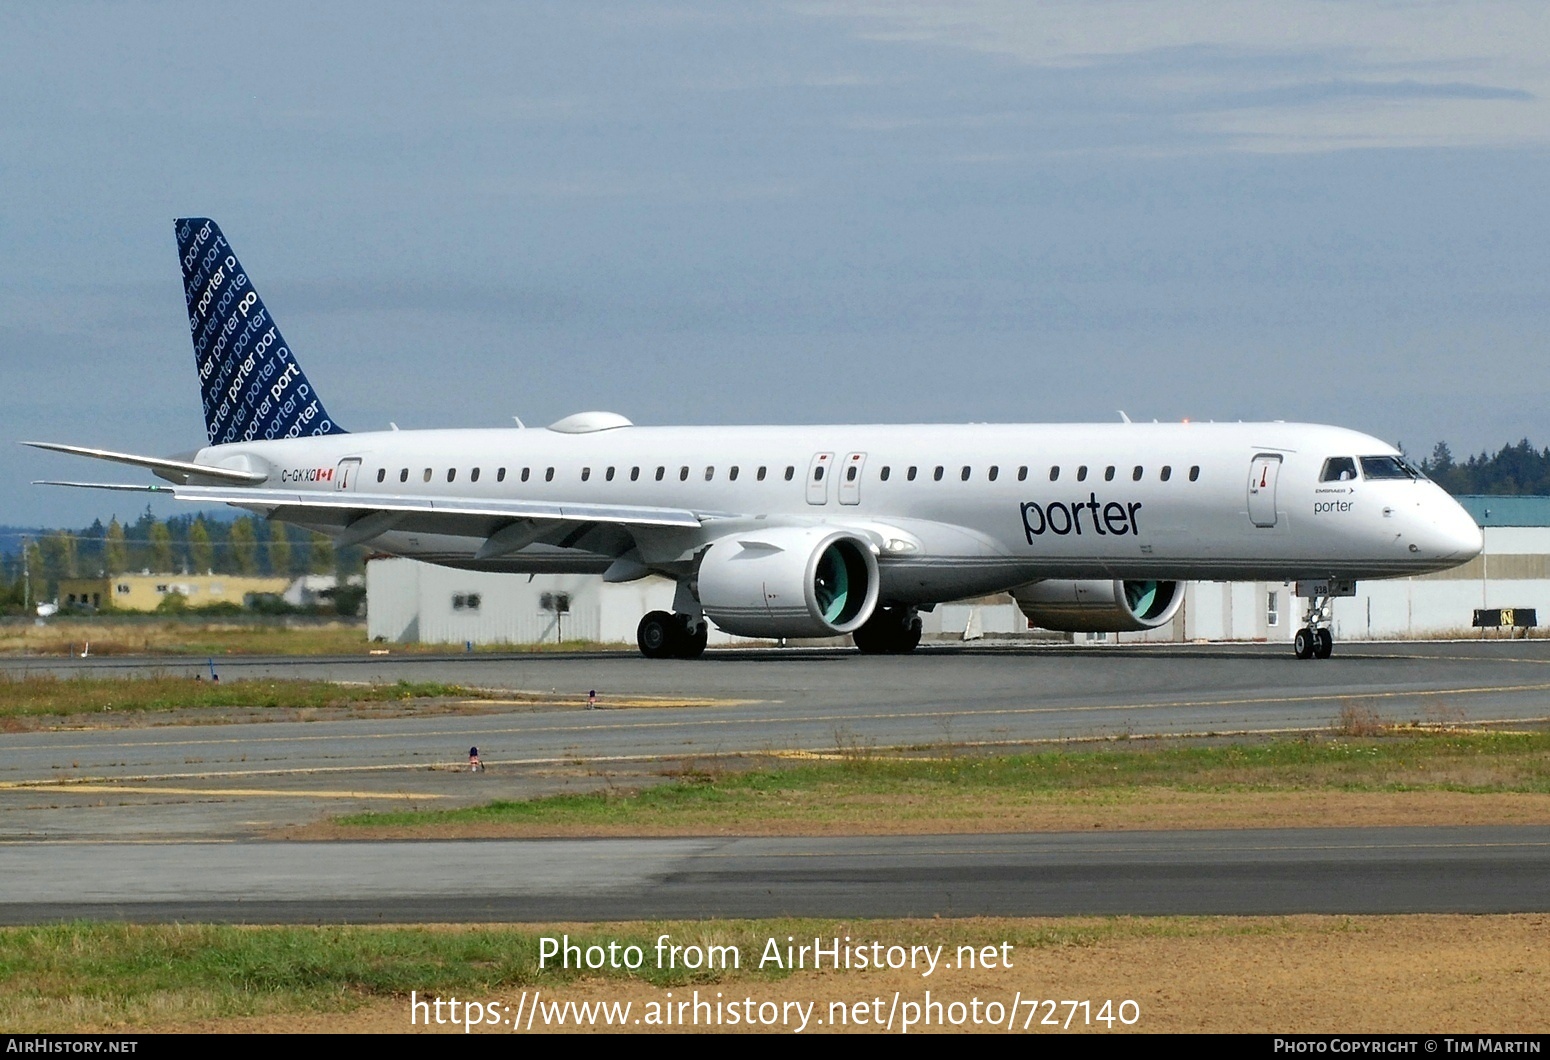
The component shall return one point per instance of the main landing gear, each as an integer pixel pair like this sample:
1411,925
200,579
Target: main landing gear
1314,640
890,631
665,635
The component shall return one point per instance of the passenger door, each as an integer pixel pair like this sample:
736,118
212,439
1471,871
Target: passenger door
1262,489
344,475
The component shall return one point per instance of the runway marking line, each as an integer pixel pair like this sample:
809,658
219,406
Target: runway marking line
130,788
1332,697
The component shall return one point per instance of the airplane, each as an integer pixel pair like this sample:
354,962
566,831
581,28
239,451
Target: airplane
808,531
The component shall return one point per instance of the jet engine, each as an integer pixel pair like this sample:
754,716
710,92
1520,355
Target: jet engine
1099,606
791,581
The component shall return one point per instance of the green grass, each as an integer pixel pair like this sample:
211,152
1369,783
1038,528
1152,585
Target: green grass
46,694
85,976
836,790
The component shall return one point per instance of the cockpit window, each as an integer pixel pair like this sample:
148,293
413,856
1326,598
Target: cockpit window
1388,467
1338,469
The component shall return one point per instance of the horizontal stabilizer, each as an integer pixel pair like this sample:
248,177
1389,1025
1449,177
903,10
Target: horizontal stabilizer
121,486
157,464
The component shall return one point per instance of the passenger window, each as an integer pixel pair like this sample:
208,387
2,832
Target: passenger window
882,476
661,471
634,474
1166,473
1081,473
732,473
1108,473
910,474
818,473
683,473
791,472
451,473
760,475
937,474
549,474
1022,473
525,473
608,476
500,475
1135,476
473,476
965,473
1194,473
710,473
850,473
381,473
1054,474
1338,469
403,476
994,471
586,473
427,476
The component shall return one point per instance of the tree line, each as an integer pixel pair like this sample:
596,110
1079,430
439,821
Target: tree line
186,544
1514,470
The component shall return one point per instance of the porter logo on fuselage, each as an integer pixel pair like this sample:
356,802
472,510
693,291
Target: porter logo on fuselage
1061,519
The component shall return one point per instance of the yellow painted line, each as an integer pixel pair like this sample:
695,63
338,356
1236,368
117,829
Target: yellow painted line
9,785
123,789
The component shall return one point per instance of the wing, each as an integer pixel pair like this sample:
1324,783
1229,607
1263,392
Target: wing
506,525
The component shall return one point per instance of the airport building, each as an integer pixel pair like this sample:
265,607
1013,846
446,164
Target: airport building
147,591
412,601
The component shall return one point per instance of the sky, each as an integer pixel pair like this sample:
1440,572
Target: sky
1329,210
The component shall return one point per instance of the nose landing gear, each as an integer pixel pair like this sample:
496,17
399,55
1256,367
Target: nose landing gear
1312,643
1314,640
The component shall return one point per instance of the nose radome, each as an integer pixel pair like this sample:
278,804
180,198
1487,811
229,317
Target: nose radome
1458,536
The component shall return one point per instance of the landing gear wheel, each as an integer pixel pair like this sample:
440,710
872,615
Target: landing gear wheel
658,635
690,645
1305,643
871,638
1323,643
890,631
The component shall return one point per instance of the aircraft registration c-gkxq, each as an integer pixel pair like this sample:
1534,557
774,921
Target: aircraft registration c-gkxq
809,531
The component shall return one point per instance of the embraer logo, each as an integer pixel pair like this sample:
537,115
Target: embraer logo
307,474
1062,519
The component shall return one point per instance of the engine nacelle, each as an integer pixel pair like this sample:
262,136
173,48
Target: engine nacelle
789,581
1099,606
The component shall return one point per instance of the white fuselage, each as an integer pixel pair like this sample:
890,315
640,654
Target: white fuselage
958,509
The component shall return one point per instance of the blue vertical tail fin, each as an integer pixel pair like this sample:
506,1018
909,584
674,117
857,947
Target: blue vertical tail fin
250,381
